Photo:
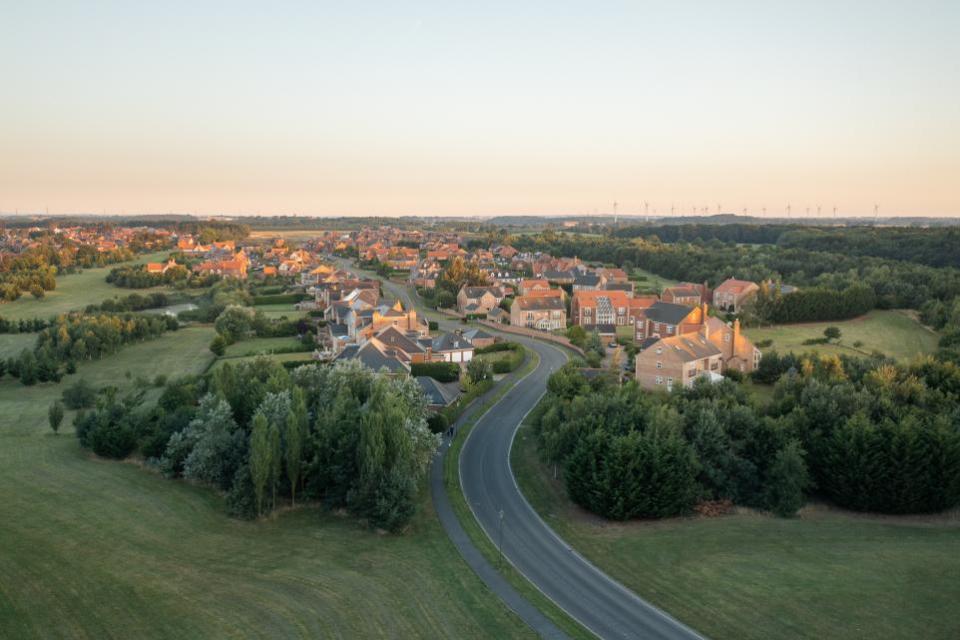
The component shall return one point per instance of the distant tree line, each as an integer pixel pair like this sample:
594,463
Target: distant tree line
894,283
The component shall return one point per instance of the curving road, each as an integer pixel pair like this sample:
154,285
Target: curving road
588,595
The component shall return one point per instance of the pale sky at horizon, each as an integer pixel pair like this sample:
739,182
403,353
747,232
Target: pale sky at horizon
447,108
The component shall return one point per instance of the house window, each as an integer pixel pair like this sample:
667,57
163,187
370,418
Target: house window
659,365
669,382
659,350
726,337
669,328
659,379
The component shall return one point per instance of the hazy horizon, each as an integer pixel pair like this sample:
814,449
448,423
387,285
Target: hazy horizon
430,109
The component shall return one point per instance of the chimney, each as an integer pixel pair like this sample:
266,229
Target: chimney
736,331
703,307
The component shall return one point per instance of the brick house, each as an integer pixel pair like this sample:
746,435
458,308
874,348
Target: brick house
692,295
664,319
732,293
596,309
678,360
478,299
544,313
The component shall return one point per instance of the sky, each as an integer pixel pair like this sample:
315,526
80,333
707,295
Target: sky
480,108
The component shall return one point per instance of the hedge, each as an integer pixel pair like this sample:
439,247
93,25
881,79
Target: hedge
283,298
439,371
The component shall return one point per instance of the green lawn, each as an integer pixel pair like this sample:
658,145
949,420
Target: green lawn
303,356
75,291
99,549
894,333
275,311
825,574
645,281
261,345
12,344
174,353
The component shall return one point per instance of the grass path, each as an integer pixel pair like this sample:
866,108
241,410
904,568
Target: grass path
826,574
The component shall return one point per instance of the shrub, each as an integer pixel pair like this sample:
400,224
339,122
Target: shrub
285,298
80,395
438,423
439,371
434,326
218,346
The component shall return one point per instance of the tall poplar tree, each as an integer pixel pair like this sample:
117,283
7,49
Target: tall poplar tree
260,458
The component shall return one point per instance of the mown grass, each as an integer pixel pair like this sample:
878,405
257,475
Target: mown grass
893,333
277,311
304,357
99,549
11,344
172,354
825,574
645,281
75,291
255,346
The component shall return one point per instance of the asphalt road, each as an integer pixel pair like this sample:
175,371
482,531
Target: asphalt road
588,595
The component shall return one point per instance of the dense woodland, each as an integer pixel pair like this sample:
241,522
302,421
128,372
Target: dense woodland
343,436
867,434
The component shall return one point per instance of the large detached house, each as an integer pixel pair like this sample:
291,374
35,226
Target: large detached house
691,346
478,299
677,360
663,319
541,313
732,293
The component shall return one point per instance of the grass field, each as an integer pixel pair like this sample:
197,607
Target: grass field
894,333
260,345
825,574
98,549
75,291
275,311
174,353
12,344
646,281
302,356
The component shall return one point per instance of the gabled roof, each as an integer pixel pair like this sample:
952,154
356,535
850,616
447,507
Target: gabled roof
451,342
476,334
586,279
732,285
392,337
668,312
527,303
437,394
689,347
476,292
370,356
